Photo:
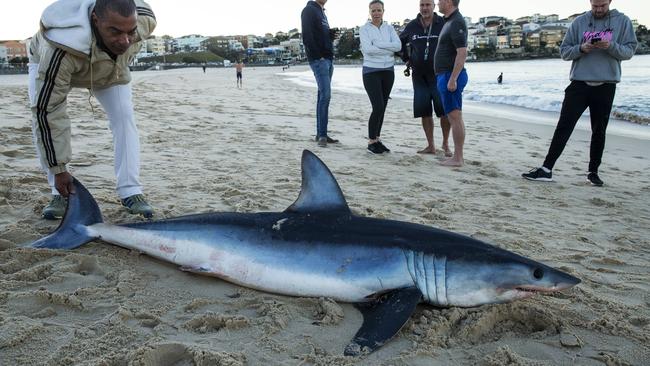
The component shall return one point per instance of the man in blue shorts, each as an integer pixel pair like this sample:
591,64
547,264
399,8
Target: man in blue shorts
419,40
449,66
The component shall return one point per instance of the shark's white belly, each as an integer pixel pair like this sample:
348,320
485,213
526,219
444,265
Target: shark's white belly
294,272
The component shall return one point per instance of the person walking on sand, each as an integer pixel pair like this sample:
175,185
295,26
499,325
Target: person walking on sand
449,66
596,43
87,44
239,69
500,79
419,41
319,47
379,42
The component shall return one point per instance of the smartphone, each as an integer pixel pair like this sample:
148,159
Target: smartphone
596,40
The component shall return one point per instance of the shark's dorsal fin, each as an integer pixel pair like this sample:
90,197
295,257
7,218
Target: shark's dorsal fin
320,191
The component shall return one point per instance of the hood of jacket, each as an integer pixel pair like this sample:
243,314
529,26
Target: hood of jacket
67,22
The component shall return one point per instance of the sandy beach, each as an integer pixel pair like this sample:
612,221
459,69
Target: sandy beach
208,146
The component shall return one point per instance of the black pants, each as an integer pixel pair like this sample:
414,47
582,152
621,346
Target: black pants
378,86
577,97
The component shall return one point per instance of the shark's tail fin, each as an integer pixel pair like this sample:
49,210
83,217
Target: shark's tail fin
82,211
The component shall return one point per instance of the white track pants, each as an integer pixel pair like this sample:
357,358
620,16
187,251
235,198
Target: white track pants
117,101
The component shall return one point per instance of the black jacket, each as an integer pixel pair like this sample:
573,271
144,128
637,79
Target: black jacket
316,33
414,42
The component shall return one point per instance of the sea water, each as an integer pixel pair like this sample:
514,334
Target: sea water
531,84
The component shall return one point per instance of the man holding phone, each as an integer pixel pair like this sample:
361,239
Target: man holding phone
596,43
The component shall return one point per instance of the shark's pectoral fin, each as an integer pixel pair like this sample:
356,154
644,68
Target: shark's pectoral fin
383,318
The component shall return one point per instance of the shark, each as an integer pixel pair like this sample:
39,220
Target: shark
317,247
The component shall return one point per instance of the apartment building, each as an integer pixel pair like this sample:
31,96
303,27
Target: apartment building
15,49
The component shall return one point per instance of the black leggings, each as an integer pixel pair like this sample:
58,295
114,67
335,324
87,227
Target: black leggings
378,86
577,97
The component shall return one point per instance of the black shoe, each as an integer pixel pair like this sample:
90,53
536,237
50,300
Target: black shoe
322,142
375,148
538,174
595,179
383,147
329,140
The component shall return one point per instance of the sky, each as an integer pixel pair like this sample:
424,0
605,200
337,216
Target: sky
219,17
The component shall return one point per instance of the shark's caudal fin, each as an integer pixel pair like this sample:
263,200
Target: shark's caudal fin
82,211
320,191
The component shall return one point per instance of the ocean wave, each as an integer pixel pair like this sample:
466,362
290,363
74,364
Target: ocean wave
525,87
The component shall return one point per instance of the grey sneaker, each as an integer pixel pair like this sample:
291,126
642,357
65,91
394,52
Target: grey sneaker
137,205
322,141
55,209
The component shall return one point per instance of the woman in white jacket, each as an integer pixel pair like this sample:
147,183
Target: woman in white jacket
379,42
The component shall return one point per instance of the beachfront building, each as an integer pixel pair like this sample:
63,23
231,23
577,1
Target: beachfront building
551,37
155,46
293,50
243,41
191,43
515,36
635,24
478,40
490,19
492,33
15,49
524,20
502,41
538,18
532,40
564,23
531,27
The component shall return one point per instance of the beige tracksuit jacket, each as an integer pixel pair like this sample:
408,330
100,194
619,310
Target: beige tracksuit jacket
67,55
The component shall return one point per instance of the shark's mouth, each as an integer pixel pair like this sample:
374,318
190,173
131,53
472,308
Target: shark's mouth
527,289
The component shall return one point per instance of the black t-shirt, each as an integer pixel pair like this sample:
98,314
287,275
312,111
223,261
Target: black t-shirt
452,37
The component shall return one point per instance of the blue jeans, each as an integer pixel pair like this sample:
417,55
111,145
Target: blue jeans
323,70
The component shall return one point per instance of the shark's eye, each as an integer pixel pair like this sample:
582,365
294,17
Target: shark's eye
538,273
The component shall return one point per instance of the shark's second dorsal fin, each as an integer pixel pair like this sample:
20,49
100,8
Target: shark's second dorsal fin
320,191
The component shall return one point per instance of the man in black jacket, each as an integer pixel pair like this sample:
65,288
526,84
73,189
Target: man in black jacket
318,40
419,42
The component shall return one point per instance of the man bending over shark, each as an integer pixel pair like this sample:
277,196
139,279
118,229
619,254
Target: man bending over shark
87,44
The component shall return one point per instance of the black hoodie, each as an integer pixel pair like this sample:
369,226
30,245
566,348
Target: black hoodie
414,42
316,33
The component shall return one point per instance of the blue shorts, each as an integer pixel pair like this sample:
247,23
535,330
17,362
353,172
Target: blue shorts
426,98
452,101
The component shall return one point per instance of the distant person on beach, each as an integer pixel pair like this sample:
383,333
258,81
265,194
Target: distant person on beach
596,43
379,42
419,41
500,79
87,44
319,47
203,68
239,69
449,66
